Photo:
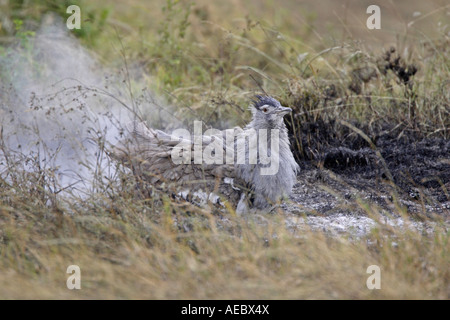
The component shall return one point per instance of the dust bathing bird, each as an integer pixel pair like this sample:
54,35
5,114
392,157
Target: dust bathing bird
253,173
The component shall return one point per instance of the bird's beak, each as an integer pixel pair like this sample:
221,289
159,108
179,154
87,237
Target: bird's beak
283,110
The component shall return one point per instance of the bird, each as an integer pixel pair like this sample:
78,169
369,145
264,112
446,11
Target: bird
252,168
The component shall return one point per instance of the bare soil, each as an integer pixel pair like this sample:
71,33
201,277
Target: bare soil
340,171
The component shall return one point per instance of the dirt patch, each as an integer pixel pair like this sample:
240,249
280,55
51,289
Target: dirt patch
339,169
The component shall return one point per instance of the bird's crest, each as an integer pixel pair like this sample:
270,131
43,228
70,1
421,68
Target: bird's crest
265,100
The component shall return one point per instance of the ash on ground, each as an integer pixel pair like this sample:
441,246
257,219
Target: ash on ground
349,189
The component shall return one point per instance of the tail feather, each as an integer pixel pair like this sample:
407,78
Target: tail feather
149,153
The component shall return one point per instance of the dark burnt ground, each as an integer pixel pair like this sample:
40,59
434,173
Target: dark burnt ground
339,166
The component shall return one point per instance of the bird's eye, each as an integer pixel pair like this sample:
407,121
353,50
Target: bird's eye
264,110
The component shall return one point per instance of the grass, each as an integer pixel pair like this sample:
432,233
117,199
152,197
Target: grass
213,58
138,255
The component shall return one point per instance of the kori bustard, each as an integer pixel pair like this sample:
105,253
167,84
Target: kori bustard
251,168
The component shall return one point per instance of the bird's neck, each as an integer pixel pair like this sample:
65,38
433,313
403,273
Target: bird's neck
279,125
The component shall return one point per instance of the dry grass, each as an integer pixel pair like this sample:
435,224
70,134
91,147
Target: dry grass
133,254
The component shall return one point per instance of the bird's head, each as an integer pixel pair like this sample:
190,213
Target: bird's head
268,113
